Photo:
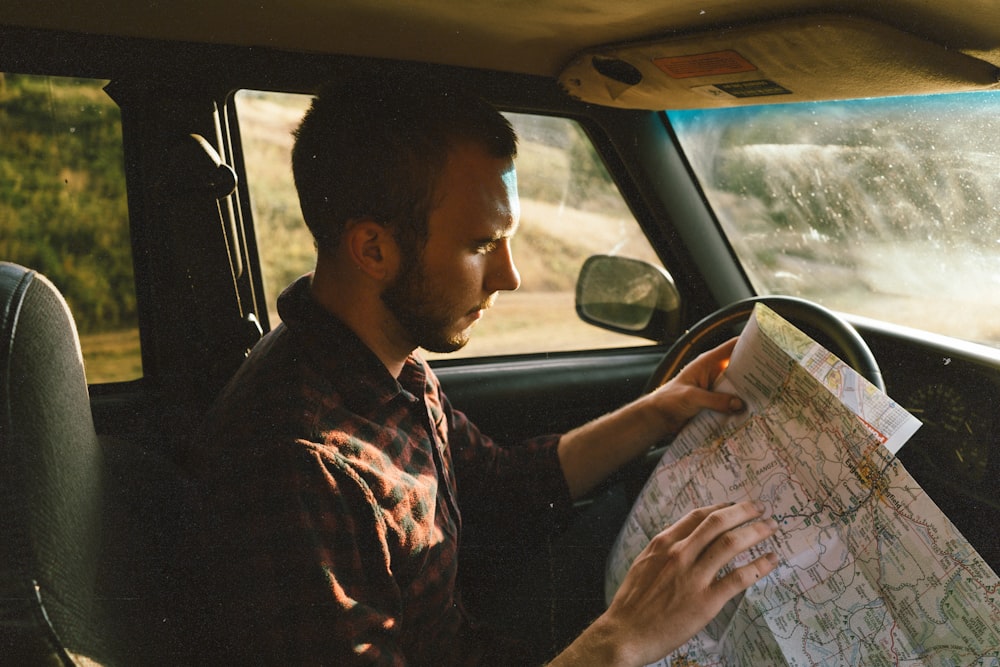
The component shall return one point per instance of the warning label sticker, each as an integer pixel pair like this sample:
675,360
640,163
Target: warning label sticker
741,89
758,88
704,64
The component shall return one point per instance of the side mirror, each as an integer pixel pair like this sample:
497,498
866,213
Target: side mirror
628,296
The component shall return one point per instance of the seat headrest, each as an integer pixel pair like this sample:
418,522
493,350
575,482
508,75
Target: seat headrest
50,475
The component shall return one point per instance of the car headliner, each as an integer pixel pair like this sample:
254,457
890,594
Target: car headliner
530,36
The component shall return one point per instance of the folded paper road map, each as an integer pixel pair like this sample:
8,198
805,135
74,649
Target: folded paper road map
872,572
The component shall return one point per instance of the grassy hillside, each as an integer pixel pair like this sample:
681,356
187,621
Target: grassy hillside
63,210
62,195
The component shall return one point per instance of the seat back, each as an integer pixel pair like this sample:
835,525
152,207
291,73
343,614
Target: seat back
50,480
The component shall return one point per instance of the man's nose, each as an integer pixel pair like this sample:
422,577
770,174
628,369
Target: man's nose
502,274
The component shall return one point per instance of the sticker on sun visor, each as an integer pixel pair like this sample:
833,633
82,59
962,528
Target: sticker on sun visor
740,89
715,63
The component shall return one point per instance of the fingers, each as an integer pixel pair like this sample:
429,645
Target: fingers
742,578
725,532
691,390
717,534
682,528
709,365
723,351
714,400
677,403
733,542
673,588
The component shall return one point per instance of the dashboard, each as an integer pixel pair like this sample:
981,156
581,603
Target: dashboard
955,455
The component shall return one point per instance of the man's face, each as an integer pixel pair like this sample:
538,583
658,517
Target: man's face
440,293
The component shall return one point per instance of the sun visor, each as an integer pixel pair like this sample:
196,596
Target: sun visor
792,60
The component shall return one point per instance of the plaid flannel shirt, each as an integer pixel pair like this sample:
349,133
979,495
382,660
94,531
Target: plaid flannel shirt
334,489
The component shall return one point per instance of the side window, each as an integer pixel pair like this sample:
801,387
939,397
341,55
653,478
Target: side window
63,210
570,209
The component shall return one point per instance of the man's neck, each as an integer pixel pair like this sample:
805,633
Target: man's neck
361,309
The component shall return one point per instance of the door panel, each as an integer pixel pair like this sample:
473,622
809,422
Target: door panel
513,398
545,593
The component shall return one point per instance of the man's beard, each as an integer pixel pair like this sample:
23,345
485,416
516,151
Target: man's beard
426,318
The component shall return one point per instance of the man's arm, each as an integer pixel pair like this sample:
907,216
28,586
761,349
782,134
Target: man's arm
592,452
673,589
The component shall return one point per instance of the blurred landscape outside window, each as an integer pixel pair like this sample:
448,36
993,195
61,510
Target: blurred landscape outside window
570,209
883,208
63,210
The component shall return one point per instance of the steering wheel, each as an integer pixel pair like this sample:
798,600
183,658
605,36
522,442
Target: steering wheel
821,324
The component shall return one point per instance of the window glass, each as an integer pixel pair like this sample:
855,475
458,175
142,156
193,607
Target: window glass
570,209
886,208
63,210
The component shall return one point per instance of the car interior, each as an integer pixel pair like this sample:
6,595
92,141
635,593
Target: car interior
93,494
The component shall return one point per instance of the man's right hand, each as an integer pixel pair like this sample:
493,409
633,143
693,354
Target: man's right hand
674,589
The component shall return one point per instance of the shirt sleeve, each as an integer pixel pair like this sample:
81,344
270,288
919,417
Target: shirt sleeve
528,472
500,483
305,570
517,492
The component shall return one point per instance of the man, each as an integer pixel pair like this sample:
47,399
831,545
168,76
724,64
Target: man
338,471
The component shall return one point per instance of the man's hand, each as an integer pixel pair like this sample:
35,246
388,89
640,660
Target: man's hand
590,453
689,392
674,589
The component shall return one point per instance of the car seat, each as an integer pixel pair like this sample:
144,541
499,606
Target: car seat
51,481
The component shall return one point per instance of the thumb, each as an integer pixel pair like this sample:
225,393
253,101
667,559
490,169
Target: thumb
717,401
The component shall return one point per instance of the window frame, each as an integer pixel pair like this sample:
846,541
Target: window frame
593,129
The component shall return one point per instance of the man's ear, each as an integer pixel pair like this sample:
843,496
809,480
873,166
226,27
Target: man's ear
372,248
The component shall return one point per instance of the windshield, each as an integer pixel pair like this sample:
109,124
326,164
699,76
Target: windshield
886,208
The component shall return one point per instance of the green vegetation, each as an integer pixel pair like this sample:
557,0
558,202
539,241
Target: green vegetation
63,210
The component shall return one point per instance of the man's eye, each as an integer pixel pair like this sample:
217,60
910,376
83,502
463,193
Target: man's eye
485,248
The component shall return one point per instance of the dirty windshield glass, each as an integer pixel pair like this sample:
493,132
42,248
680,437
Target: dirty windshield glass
884,208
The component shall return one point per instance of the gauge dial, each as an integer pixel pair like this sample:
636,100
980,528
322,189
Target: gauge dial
948,425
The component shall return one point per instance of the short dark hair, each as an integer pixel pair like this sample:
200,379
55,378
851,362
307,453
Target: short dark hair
375,147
